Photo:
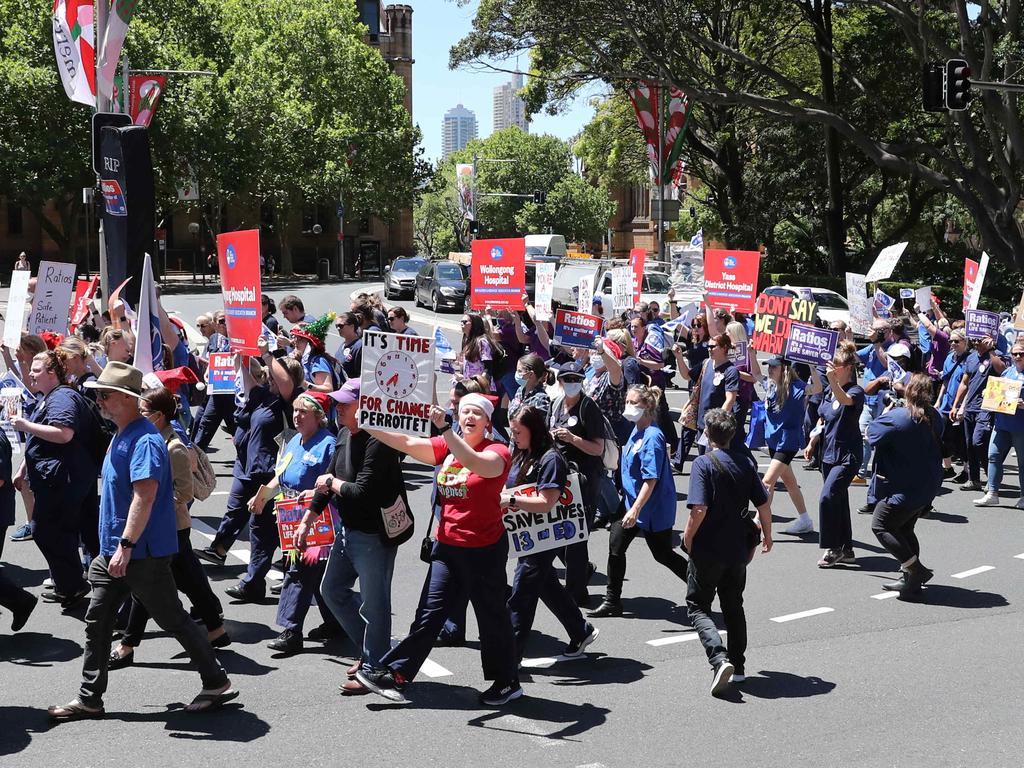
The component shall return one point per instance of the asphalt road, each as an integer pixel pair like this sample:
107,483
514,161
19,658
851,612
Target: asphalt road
836,676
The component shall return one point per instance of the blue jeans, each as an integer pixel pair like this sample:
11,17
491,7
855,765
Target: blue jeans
366,614
868,414
998,447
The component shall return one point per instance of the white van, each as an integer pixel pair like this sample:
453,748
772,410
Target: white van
539,247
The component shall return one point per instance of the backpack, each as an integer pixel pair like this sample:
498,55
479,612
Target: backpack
97,431
204,479
610,454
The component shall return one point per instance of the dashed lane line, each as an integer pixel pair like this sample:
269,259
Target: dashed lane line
680,638
1020,556
885,595
802,615
973,571
431,668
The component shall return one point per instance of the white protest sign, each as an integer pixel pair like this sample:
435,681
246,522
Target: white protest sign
533,532
886,262
51,304
896,372
622,288
978,282
14,319
923,298
585,295
544,285
396,386
860,304
687,262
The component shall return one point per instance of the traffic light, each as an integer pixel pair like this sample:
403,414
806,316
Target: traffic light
539,198
474,227
932,79
958,85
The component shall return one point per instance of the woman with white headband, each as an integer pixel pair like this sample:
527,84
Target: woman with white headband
468,557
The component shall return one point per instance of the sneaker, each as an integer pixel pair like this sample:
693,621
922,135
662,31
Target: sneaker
990,499
971,486
721,678
499,694
386,684
47,583
961,477
210,555
866,509
847,556
948,473
22,533
238,592
830,558
858,480
287,643
574,650
800,526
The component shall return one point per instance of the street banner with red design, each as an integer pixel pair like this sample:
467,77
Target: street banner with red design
637,257
144,93
84,291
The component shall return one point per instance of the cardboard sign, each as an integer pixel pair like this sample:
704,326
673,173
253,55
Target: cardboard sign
860,304
622,289
84,291
637,258
585,296
14,317
970,275
220,373
906,293
730,279
687,262
978,283
896,373
498,274
239,256
775,315
544,286
576,329
923,298
885,263
981,324
10,408
52,301
290,513
1001,395
533,532
396,383
807,344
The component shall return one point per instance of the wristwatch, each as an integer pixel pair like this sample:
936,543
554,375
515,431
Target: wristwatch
126,543
445,428
330,483
512,503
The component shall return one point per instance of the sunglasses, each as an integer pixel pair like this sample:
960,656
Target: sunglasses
103,394
1017,354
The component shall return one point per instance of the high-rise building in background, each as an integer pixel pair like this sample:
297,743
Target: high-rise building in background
458,128
509,109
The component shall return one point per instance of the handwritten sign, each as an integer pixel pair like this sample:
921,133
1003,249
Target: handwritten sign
14,319
1001,395
396,383
807,344
775,315
585,295
533,532
576,329
52,301
290,513
10,408
544,286
980,324
622,289
885,263
860,304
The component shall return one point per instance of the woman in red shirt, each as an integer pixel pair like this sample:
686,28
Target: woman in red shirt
468,557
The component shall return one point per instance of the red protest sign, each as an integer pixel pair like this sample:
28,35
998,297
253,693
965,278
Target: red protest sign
775,317
239,257
970,275
730,279
498,274
637,257
290,513
84,291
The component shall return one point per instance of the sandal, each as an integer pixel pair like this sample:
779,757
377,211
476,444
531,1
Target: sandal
74,710
213,701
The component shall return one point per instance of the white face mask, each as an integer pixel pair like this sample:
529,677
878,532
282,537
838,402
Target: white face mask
572,389
632,412
597,361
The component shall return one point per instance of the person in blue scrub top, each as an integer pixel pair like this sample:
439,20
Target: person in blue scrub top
983,362
953,446
1007,433
649,493
785,396
841,456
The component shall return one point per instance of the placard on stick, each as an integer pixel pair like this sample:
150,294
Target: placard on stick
396,383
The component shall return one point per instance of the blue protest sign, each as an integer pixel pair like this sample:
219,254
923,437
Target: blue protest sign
807,344
981,324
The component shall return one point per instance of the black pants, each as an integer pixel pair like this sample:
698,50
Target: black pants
660,544
151,581
218,408
893,526
536,580
706,577
12,597
57,533
89,523
977,430
953,446
191,580
576,557
834,524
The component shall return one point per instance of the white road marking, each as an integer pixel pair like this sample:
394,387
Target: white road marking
973,571
802,615
220,493
1020,556
431,668
541,662
680,638
885,595
242,554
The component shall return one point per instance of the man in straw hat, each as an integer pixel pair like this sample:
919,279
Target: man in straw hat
137,540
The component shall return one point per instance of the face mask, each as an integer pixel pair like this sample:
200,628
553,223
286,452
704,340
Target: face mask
520,380
597,361
572,389
632,412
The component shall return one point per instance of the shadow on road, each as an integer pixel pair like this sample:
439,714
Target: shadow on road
945,517
958,597
36,649
778,685
232,723
595,669
19,724
658,608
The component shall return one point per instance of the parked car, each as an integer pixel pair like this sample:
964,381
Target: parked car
400,277
442,285
832,306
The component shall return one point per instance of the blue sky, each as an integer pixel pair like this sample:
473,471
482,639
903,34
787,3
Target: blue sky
437,25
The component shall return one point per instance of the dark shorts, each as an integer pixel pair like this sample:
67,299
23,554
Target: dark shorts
784,456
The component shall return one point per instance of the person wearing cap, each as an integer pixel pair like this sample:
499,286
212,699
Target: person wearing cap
366,484
983,362
577,424
468,556
785,394
309,349
873,357
1007,433
307,456
137,542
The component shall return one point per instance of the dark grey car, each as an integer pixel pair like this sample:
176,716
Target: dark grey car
441,285
400,277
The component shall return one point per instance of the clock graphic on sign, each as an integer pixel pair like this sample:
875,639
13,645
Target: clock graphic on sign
396,374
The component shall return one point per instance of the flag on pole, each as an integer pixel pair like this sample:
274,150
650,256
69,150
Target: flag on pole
110,54
646,98
74,47
697,241
144,92
149,346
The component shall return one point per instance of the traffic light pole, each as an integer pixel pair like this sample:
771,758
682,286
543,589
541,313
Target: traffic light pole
988,85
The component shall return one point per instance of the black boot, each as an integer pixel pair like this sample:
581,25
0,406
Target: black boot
911,580
609,607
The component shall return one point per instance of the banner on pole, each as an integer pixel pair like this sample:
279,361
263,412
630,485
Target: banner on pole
730,279
775,315
498,274
576,329
544,286
533,532
84,291
637,258
860,304
14,317
396,383
970,275
978,283
52,300
144,92
464,185
687,262
239,256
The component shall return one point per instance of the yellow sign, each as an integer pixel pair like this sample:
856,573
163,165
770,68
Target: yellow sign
577,255
1001,395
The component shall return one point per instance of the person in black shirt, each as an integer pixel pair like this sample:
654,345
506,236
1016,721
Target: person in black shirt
12,597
